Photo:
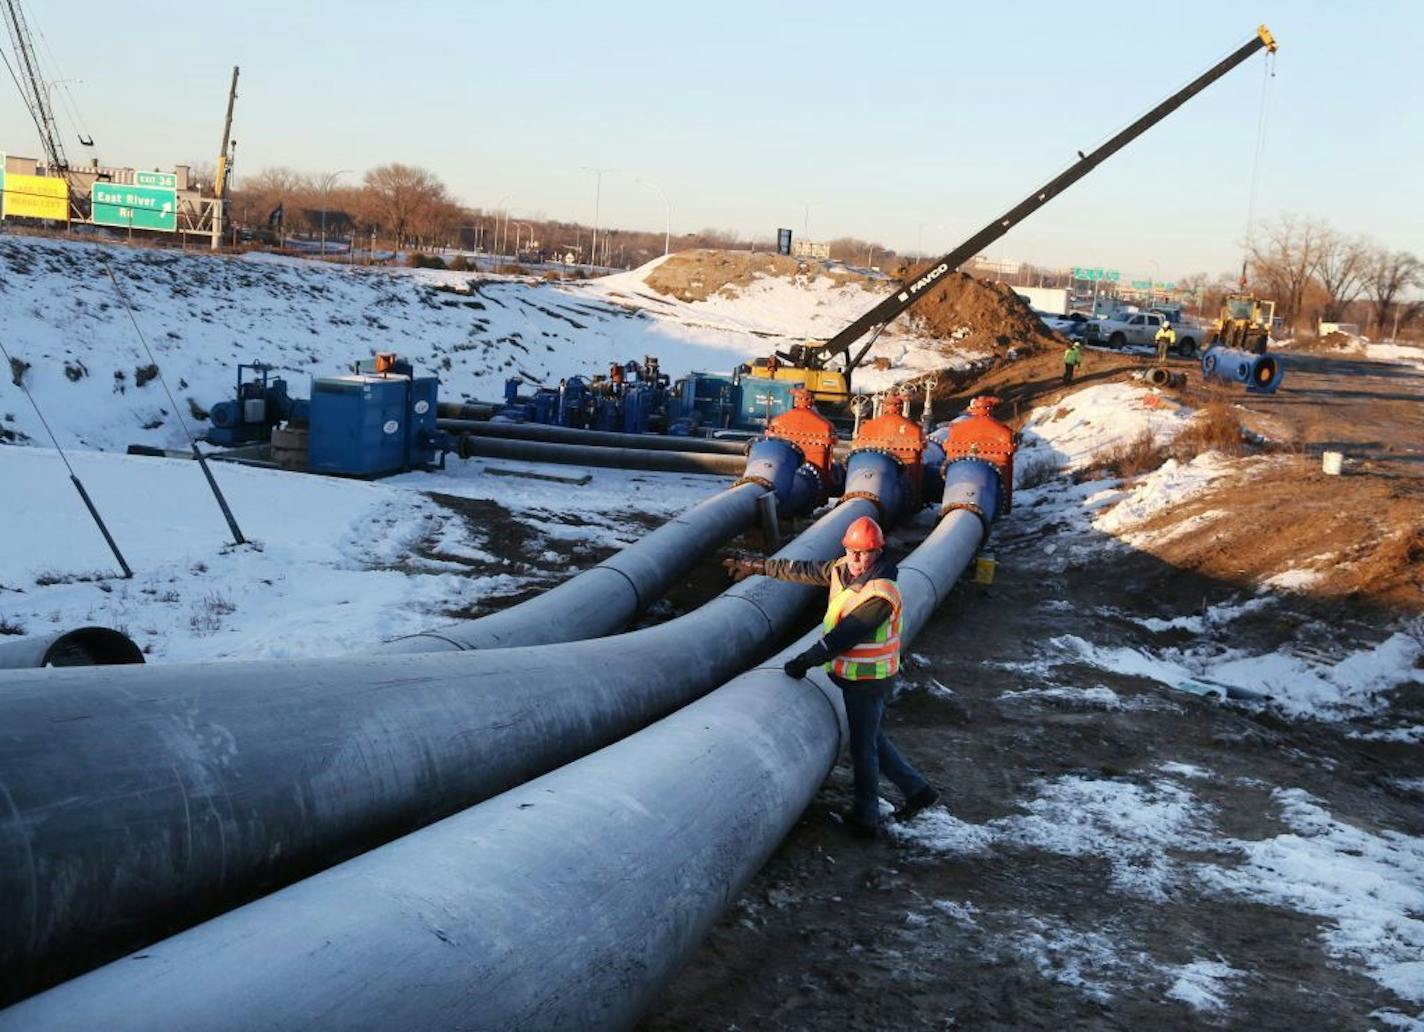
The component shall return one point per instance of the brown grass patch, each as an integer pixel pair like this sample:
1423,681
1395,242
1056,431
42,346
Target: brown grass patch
1131,458
1214,428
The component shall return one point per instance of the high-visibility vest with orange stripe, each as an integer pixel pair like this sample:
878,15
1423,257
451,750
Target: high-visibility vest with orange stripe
871,660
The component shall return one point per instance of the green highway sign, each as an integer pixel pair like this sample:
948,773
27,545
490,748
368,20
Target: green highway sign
1106,275
135,207
165,180
1110,275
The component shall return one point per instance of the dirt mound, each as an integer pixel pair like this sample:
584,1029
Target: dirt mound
979,316
697,275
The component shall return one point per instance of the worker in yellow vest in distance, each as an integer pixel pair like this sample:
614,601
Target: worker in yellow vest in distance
1071,359
1166,341
860,649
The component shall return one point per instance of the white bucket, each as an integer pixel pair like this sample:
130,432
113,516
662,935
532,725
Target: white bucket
1330,463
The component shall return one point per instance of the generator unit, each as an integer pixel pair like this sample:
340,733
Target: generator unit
260,404
374,422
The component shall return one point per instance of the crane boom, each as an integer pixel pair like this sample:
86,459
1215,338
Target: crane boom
888,309
33,87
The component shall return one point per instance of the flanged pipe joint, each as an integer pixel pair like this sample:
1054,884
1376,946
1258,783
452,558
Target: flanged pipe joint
886,461
1261,374
794,459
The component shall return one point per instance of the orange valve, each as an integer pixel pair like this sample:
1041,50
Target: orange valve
979,435
385,361
806,428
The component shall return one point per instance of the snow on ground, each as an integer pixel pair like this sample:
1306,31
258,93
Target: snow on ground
203,314
1070,434
332,567
1366,886
1406,354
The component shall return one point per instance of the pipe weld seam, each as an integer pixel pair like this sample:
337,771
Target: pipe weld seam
753,479
770,622
632,584
950,507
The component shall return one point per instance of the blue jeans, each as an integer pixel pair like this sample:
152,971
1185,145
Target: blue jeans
872,754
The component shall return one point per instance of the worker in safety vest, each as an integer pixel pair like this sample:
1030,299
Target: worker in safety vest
1071,359
1166,341
860,649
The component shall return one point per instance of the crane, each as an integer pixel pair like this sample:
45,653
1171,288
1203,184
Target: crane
811,363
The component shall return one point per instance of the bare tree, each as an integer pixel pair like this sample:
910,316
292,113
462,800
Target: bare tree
400,196
1388,275
1285,261
1342,268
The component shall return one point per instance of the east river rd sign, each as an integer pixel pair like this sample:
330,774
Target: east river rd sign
135,207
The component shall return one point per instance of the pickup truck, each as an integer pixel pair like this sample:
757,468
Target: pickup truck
1141,328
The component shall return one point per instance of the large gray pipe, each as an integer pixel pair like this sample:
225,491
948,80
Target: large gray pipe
83,646
141,800
603,438
604,599
469,446
566,903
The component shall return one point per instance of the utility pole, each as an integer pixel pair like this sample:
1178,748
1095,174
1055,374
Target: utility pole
220,180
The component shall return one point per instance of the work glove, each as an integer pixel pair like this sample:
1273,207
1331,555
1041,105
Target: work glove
797,666
741,569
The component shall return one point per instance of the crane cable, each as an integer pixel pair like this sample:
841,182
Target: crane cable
153,363
1268,79
17,369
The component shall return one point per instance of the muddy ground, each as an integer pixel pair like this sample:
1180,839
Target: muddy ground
844,934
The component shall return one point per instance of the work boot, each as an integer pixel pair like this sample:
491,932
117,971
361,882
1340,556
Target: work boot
925,797
854,828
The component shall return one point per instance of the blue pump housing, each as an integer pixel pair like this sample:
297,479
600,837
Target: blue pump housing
368,425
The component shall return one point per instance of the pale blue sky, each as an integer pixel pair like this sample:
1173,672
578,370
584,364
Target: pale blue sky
909,123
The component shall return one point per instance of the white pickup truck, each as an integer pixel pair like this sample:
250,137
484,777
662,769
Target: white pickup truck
1141,328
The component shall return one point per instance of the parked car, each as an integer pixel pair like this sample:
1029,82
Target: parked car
1070,326
1141,328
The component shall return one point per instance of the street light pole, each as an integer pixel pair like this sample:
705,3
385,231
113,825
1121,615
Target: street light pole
806,221
325,187
1152,283
667,212
597,196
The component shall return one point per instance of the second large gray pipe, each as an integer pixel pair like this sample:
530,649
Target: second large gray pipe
606,598
568,902
470,446
604,438
140,800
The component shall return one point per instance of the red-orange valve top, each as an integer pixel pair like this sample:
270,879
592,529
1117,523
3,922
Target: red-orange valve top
892,432
806,428
385,361
980,436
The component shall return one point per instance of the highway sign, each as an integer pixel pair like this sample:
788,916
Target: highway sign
135,207
36,197
165,180
1106,275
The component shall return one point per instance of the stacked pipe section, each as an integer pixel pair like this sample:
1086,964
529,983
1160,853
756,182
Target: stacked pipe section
794,463
1261,374
568,902
139,805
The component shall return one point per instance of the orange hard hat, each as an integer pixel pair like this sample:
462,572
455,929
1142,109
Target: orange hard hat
863,535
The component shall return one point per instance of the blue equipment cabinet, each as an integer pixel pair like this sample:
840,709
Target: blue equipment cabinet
371,425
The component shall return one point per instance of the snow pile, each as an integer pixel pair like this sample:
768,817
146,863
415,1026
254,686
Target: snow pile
1087,422
1405,354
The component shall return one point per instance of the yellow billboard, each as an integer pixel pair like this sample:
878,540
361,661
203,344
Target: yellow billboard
36,197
